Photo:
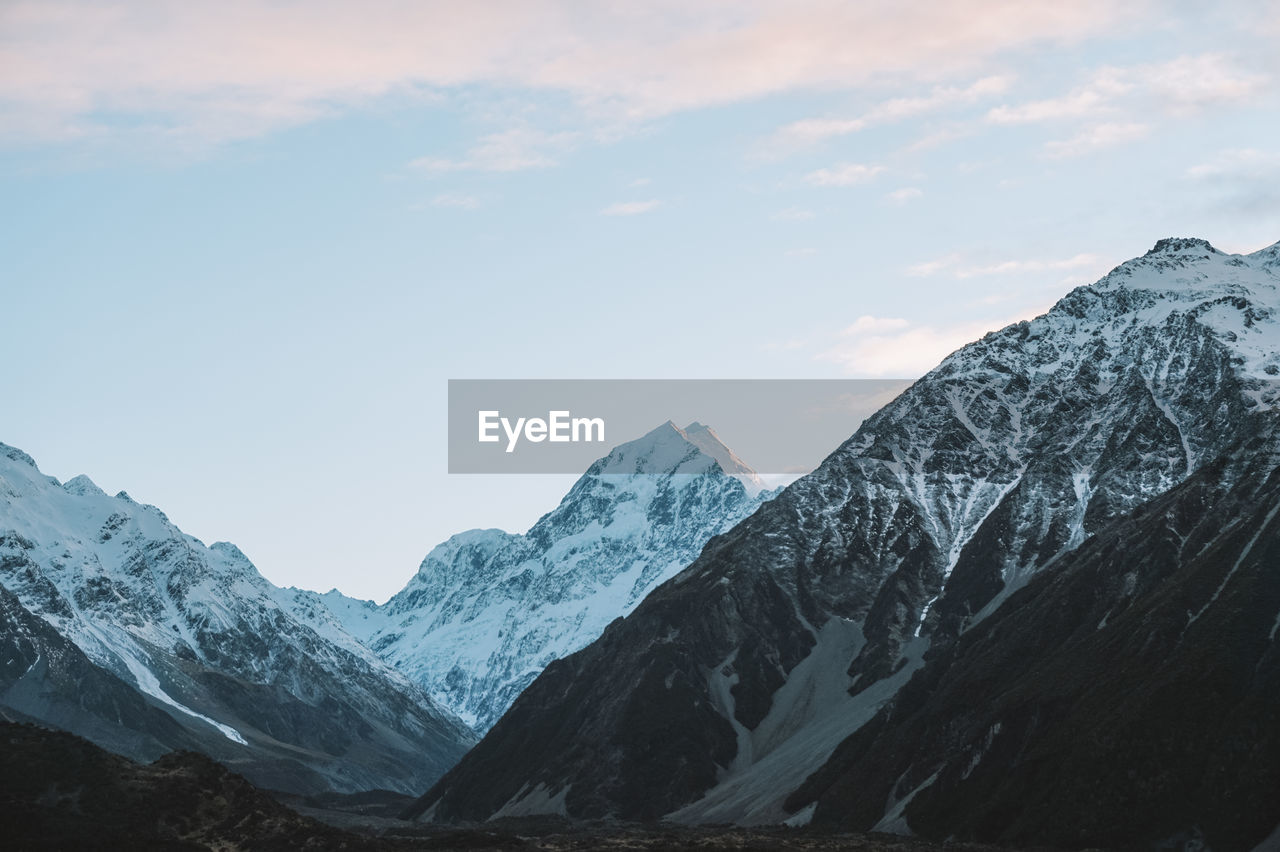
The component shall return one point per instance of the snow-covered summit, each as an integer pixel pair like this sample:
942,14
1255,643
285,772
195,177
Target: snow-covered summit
488,610
1182,245
1268,257
217,656
705,439
15,454
1183,286
669,451
82,486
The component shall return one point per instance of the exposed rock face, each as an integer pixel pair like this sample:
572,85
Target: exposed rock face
736,679
125,630
488,610
1129,695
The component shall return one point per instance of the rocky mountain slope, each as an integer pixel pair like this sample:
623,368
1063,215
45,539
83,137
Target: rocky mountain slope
488,610
1130,694
123,629
731,683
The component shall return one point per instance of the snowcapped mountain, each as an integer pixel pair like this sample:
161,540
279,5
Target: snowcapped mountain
735,680
123,629
488,610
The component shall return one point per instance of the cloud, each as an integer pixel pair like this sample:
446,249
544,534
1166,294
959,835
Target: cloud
1195,82
1074,105
1096,138
959,269
942,135
1182,85
883,346
793,214
790,345
845,174
460,202
807,251
930,267
630,208
1238,164
811,131
512,150
1022,267
1241,182
77,69
868,324
904,195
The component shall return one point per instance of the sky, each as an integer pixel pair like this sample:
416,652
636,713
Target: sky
245,245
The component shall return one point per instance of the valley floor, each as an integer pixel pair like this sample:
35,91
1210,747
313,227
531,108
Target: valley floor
565,837
58,791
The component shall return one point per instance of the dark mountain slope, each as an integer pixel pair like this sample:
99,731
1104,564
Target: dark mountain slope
58,791
45,676
1129,695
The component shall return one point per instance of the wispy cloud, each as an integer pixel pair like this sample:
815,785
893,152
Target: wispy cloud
75,69
631,208
905,195
810,131
868,324
956,265
793,214
1096,138
512,150
1242,182
845,174
1187,83
460,202
1073,105
1122,102
1238,163
892,346
932,267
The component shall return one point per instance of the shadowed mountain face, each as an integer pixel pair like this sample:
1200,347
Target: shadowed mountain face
119,627
58,791
45,676
731,683
1130,694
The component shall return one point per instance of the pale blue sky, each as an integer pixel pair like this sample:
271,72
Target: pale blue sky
243,246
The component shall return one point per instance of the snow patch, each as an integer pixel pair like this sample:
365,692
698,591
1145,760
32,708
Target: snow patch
893,821
148,683
536,802
809,716
1239,561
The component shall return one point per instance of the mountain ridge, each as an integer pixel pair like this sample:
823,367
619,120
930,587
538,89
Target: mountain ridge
152,621
1014,451
487,609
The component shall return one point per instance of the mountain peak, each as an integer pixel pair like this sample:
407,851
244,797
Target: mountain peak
83,486
16,455
706,440
668,449
1268,257
1182,245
